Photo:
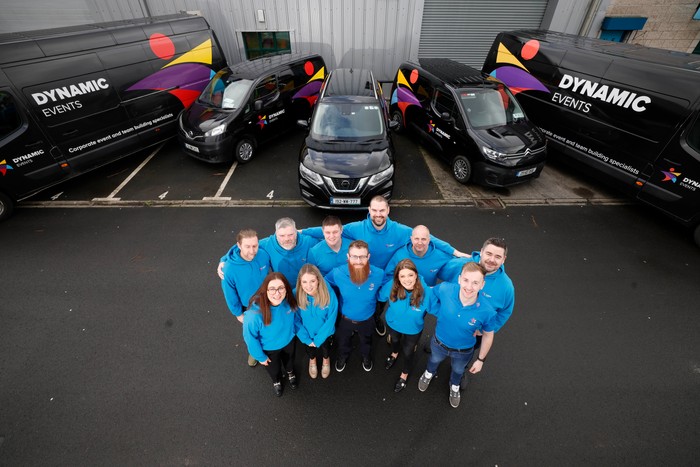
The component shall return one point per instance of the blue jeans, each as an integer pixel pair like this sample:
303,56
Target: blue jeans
459,359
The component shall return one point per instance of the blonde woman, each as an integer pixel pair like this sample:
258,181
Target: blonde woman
318,309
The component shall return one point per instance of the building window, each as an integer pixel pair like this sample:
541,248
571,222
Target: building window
259,44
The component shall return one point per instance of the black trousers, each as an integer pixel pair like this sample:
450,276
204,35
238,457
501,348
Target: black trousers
325,349
343,334
283,357
406,345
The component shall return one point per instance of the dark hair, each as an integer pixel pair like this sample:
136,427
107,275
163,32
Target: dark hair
245,233
331,220
398,291
260,297
497,242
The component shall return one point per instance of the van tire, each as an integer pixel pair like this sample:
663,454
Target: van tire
462,169
6,206
245,150
397,117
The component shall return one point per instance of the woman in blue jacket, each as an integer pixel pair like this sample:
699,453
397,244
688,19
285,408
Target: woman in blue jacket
269,327
409,299
318,309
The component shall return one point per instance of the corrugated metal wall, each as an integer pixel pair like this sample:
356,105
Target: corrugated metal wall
463,30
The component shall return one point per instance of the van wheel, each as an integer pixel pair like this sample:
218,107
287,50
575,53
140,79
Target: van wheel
245,149
6,206
397,117
462,169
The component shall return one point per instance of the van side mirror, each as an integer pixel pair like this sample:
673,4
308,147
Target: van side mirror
303,124
446,116
394,125
258,105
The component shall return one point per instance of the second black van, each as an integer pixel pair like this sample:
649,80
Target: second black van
469,119
248,104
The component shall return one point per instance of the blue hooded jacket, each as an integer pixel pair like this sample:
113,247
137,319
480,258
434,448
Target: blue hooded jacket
317,324
243,278
275,335
428,265
288,262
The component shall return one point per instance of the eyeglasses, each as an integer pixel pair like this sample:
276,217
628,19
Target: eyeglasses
356,257
273,290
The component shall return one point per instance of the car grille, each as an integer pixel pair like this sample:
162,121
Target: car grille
345,184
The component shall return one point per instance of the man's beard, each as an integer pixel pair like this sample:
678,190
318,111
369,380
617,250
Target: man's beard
359,276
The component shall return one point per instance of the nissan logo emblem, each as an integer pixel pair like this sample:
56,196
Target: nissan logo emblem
345,184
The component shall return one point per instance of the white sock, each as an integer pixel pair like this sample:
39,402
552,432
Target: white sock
428,374
455,388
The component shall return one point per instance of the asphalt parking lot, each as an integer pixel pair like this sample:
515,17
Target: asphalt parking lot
164,176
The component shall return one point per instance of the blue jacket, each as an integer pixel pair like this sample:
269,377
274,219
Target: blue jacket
288,262
326,259
456,323
498,287
358,302
242,278
400,315
428,265
317,324
276,335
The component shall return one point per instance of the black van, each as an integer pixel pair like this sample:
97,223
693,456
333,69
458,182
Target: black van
470,120
347,157
248,104
629,115
75,98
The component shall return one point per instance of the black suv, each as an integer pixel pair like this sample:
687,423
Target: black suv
469,119
348,156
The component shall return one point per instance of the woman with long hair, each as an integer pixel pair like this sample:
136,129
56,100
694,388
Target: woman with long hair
269,327
408,300
318,309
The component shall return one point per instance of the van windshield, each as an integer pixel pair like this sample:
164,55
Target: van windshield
490,107
347,121
226,92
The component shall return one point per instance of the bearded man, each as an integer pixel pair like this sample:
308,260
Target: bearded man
358,284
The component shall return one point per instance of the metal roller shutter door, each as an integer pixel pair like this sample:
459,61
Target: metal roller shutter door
463,30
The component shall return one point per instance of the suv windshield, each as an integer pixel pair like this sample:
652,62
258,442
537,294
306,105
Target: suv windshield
226,92
347,120
490,107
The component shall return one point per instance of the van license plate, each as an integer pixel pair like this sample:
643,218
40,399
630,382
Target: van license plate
192,148
522,173
345,201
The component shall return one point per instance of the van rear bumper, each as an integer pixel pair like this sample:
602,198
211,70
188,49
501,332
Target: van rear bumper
215,152
495,176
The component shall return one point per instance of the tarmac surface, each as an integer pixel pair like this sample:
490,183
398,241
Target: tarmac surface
116,347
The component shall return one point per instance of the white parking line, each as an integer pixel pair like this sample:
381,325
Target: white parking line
217,196
112,195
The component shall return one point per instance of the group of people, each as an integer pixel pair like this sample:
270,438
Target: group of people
331,282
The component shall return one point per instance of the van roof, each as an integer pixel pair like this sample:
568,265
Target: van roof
452,72
350,82
253,69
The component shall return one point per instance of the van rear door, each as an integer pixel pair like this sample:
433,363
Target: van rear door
26,162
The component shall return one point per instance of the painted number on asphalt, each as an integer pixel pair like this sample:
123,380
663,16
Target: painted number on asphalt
271,194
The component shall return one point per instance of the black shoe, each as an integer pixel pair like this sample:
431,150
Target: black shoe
390,360
367,364
400,385
379,327
278,388
340,365
292,381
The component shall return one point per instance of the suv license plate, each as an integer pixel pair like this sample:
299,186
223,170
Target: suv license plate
345,201
522,173
192,148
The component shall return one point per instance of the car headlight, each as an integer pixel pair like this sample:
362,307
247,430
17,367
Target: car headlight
381,177
494,155
310,175
216,130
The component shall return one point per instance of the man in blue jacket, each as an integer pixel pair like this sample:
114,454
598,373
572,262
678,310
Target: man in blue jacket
243,271
333,251
428,259
358,283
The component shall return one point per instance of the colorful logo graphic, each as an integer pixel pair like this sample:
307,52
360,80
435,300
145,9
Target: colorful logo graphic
431,127
262,121
191,67
403,96
513,73
671,175
312,87
4,167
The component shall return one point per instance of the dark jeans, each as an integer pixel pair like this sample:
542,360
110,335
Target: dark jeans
283,357
343,334
406,344
459,359
325,349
